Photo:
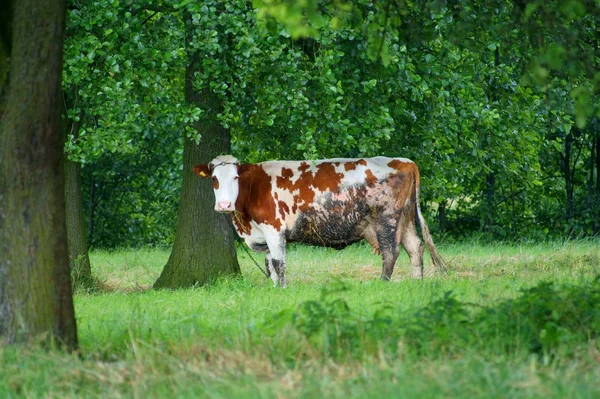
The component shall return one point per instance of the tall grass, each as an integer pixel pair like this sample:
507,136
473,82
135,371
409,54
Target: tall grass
507,321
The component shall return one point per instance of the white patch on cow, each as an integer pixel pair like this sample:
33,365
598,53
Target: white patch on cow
224,159
256,236
225,171
274,240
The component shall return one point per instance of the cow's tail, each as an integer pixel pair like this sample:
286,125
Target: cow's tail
433,252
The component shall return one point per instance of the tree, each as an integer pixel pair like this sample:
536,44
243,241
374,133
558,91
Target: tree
204,240
35,286
79,259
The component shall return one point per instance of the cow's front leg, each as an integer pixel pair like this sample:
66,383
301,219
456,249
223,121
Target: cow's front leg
276,259
271,268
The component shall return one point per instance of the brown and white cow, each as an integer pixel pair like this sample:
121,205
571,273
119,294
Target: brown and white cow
331,203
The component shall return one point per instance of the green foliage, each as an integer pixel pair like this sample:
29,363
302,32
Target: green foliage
132,199
485,98
546,319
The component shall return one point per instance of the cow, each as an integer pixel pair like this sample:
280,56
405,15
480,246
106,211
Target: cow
330,202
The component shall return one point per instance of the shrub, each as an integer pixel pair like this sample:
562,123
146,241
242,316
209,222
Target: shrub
546,320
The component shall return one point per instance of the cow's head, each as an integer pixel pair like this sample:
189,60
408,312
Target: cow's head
224,172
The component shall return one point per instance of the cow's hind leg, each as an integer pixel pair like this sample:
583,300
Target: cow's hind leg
414,247
388,245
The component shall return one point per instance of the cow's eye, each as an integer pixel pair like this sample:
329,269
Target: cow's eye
235,178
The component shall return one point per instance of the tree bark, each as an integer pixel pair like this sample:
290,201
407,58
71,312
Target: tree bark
5,47
203,248
36,302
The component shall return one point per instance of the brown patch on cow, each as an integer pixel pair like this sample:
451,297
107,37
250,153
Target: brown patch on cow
215,182
362,162
284,209
349,166
306,193
327,178
255,201
401,166
285,180
303,167
370,178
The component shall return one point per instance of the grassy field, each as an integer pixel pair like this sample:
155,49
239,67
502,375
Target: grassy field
336,331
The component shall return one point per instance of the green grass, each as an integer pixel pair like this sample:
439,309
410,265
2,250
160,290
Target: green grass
244,338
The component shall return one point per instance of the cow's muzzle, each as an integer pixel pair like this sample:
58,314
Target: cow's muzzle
224,206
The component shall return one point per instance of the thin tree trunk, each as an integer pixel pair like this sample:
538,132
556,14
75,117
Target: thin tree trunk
598,164
203,248
442,215
568,177
590,196
597,196
36,301
565,165
490,194
92,204
79,260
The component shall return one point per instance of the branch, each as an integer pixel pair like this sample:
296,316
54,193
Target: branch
150,17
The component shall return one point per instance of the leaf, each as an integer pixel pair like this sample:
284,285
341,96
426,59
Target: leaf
556,56
385,56
531,8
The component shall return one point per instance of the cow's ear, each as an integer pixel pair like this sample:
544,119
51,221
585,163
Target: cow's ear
244,168
202,170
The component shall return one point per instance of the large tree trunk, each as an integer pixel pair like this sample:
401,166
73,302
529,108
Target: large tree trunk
79,260
204,242
36,301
